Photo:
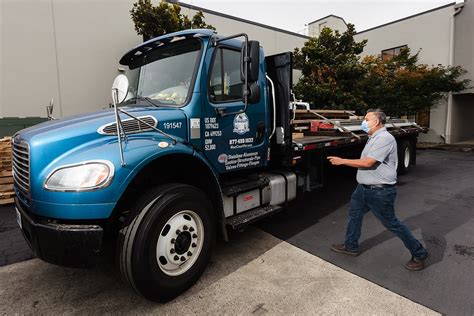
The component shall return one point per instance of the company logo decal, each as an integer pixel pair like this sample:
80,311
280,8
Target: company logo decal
222,158
241,124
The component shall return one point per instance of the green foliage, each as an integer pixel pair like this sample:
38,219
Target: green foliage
152,21
335,77
402,86
331,70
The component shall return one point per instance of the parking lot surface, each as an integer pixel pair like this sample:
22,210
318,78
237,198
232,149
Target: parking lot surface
435,200
293,271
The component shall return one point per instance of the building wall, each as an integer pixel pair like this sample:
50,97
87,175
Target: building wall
331,21
69,50
28,59
428,33
463,103
66,50
464,40
272,40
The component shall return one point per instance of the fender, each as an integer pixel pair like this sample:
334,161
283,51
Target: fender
220,203
214,190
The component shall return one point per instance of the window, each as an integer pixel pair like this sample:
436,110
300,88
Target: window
225,83
423,117
388,54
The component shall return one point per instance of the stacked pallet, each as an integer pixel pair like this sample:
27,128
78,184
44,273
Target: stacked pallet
6,180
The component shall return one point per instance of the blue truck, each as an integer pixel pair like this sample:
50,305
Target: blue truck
204,136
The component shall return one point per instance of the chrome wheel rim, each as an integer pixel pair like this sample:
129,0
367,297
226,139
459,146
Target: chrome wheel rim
180,243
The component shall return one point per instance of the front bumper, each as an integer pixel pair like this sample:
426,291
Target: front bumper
70,245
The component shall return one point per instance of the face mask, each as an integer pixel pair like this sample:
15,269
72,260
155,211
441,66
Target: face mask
365,126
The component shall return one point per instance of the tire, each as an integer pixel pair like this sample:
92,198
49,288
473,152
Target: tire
405,156
166,247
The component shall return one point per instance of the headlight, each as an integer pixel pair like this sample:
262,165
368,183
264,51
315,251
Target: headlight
86,176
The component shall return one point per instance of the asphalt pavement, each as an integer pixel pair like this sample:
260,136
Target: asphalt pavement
435,200
13,248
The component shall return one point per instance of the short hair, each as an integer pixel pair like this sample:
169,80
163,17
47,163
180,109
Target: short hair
379,114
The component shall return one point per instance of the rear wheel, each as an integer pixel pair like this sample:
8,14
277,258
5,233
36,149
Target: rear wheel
405,156
167,246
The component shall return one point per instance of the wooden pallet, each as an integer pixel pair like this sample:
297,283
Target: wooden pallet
7,193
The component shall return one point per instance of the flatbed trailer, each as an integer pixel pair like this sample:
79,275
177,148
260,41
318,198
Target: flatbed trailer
343,132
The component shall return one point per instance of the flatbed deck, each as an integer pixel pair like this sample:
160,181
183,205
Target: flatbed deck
345,129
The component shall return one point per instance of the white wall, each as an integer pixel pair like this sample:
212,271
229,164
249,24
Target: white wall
430,33
65,49
271,40
333,22
69,50
28,60
464,40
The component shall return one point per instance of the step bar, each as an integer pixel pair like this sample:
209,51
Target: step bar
246,218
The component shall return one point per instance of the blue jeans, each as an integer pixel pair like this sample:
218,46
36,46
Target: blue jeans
379,201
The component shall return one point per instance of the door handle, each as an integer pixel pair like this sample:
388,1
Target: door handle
260,132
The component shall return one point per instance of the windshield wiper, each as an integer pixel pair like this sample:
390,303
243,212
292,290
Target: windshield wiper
140,97
149,100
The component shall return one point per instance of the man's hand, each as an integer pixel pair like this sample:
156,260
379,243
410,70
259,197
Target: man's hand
336,161
365,162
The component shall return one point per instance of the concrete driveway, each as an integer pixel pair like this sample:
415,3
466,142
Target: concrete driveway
255,273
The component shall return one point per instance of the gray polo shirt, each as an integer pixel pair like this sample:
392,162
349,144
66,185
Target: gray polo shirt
382,147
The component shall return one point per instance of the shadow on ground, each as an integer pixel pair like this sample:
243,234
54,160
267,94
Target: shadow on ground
436,201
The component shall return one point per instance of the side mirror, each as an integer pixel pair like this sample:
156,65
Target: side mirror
253,52
119,89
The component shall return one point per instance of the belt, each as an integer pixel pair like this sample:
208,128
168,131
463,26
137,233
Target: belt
377,186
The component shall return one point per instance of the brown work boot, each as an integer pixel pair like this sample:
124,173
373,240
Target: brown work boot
415,264
342,249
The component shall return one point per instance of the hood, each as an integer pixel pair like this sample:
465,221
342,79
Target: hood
51,139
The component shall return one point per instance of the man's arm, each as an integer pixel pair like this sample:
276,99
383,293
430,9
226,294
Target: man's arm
365,162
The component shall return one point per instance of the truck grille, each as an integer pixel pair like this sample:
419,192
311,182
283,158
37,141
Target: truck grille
21,164
130,126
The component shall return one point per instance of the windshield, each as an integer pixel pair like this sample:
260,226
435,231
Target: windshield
167,79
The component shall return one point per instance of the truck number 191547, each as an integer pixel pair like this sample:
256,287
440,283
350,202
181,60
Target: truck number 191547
172,125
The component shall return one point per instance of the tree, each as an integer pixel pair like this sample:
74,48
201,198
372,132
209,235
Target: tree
335,77
331,70
152,21
402,86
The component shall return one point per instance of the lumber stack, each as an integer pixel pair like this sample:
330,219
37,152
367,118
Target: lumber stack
6,179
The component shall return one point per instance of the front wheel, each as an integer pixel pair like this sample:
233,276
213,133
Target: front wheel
166,247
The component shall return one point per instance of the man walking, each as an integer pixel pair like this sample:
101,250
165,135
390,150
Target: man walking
377,176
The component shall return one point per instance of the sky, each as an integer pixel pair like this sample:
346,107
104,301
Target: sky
293,15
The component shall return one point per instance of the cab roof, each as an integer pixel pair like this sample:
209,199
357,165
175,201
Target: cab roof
132,58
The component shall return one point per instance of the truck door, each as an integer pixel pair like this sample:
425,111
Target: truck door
233,142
